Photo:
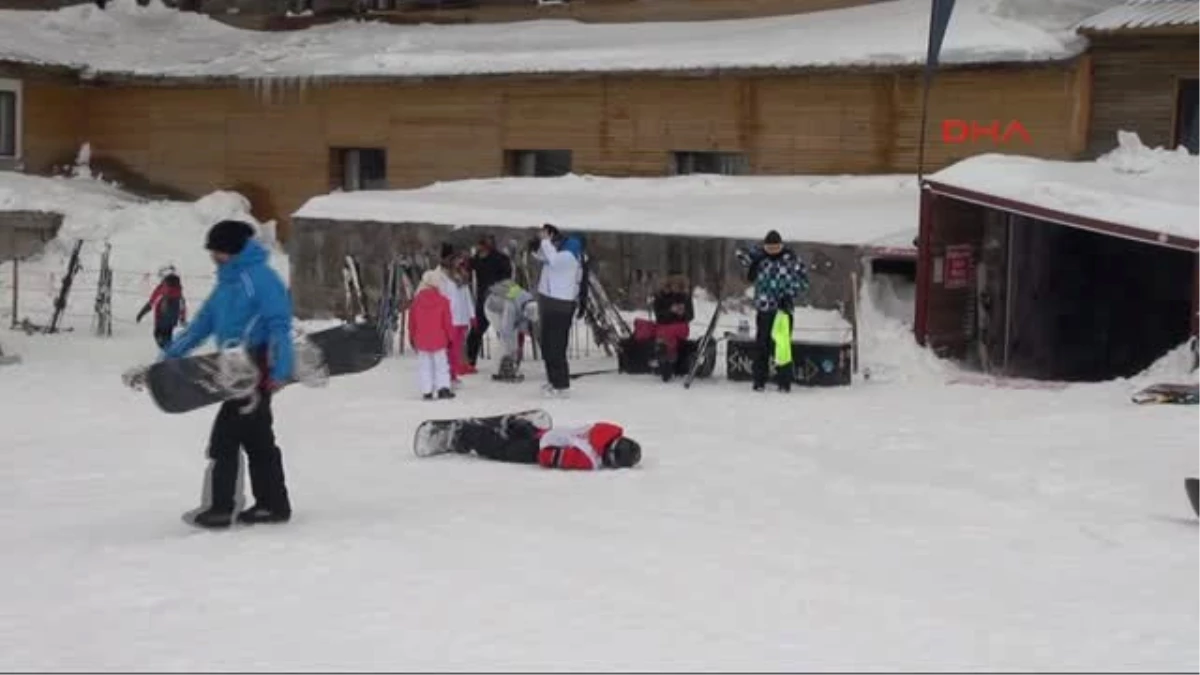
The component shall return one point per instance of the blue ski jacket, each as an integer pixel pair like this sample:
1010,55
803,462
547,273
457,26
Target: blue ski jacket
250,306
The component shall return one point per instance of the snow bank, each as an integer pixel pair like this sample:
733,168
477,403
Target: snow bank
145,235
1153,190
854,210
156,41
1174,366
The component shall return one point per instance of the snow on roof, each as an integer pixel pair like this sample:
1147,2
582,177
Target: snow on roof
160,42
1152,190
876,211
1145,14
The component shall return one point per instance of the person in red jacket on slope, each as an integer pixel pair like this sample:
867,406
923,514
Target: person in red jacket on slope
602,445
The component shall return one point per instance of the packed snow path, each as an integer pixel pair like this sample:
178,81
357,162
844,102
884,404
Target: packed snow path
911,526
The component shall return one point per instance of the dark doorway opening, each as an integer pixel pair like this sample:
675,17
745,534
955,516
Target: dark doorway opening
1088,307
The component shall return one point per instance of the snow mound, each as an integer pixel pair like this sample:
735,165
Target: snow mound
145,236
155,41
1175,366
888,350
1134,157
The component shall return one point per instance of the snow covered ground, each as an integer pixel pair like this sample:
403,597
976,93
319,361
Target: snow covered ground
901,523
156,41
853,210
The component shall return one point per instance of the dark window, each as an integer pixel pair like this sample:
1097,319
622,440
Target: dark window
1185,116
724,163
358,168
8,124
539,163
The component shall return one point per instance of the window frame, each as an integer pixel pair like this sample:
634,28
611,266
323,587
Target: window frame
679,158
515,158
339,167
15,87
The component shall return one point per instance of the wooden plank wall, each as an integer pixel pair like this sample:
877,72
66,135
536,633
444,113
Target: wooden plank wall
1134,87
276,148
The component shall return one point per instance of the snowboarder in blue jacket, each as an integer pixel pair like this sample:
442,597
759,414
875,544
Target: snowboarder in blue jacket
250,307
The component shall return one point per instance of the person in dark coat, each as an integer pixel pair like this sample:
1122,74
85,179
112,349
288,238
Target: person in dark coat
673,314
251,306
169,306
489,266
779,277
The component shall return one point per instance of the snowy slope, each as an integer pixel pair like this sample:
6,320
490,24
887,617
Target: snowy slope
889,526
145,235
853,210
156,41
899,524
1149,189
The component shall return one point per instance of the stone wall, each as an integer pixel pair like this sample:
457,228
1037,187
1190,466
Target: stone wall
629,265
25,233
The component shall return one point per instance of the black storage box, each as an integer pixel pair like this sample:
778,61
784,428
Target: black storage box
816,363
637,357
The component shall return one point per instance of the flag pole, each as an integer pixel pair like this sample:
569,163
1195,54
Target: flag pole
939,19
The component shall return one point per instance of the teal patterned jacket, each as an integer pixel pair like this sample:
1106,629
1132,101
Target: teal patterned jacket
778,280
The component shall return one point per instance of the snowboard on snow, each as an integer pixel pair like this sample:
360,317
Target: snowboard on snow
190,383
1185,394
437,437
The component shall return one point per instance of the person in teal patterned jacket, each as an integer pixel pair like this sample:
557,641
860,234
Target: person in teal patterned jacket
779,277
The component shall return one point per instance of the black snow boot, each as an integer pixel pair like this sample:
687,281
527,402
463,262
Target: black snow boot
445,393
260,514
213,519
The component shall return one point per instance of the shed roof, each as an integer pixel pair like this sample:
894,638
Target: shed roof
157,42
1138,14
1133,192
878,212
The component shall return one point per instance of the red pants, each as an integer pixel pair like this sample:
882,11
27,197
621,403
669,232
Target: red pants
458,341
670,335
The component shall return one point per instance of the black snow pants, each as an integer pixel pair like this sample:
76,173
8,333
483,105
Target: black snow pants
162,337
232,431
475,337
765,348
518,446
556,316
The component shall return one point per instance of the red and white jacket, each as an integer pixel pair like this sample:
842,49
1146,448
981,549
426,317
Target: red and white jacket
580,448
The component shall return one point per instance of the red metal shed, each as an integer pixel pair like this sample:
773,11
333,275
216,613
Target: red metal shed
1060,270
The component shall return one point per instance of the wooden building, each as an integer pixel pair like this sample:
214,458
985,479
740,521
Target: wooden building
1144,73
1058,270
189,127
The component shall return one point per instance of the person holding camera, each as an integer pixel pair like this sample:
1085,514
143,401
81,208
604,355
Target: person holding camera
561,290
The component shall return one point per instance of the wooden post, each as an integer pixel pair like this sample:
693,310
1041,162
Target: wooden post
854,321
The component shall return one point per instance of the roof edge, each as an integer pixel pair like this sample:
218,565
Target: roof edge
1062,217
109,78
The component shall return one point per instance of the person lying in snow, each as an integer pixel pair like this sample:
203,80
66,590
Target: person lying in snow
513,311
601,445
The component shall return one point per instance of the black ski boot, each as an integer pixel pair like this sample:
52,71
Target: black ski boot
445,393
427,397
260,514
664,363
213,519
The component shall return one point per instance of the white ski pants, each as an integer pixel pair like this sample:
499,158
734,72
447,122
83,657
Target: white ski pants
433,371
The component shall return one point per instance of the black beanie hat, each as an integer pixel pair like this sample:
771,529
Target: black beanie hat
229,236
625,452
773,238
